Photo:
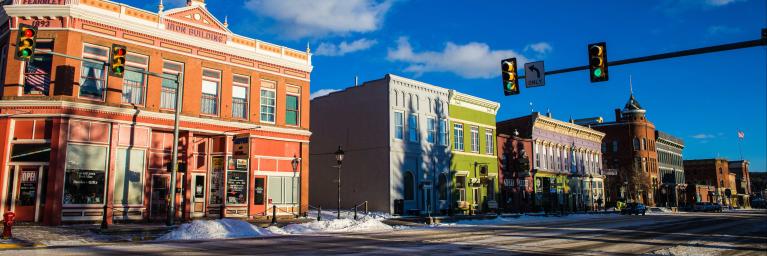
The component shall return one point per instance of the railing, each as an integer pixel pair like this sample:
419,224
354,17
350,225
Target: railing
133,92
168,98
239,108
365,203
208,104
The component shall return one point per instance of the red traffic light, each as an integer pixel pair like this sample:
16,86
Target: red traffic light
28,32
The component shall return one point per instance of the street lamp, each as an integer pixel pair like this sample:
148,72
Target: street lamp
339,159
591,192
294,164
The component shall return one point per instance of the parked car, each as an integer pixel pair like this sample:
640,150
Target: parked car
715,207
707,207
699,207
758,203
634,208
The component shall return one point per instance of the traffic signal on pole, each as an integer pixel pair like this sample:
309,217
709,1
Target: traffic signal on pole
25,42
598,62
509,73
117,62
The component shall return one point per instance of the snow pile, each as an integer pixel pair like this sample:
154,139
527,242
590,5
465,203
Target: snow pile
689,250
365,224
215,229
525,219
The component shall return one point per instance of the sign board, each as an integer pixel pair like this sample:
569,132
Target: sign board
611,172
241,144
534,74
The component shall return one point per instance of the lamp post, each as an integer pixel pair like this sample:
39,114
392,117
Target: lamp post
626,190
294,164
339,159
591,192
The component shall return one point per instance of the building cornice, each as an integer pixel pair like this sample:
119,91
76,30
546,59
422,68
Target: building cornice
551,124
472,102
418,85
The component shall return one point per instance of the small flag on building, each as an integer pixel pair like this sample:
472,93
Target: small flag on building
741,135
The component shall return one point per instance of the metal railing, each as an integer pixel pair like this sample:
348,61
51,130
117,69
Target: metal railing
239,108
133,92
168,98
209,104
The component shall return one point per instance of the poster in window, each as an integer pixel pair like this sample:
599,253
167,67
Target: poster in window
236,186
83,187
217,180
27,188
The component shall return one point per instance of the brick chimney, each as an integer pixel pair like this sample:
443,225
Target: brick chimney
617,114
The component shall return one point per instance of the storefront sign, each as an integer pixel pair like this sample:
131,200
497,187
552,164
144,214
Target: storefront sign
236,186
42,1
241,144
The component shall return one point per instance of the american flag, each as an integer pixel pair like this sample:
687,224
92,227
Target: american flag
37,79
741,135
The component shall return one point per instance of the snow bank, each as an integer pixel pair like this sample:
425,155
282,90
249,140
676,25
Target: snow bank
215,229
531,219
689,250
365,224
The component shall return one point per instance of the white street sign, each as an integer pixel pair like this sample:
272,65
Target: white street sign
534,74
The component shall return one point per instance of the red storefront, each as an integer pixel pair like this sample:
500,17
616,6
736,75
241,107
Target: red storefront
73,139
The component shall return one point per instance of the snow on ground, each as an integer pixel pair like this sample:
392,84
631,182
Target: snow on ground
365,224
525,219
215,229
694,248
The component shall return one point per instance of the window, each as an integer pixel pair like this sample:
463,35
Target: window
489,142
209,98
291,110
636,143
84,176
236,186
443,132
284,190
134,81
129,177
399,126
557,164
431,127
460,185
615,146
491,190
170,86
458,136
604,147
412,124
537,156
93,75
474,139
37,75
409,183
442,186
644,143
240,86
268,101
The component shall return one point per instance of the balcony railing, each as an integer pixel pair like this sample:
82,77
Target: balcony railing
168,98
209,104
133,93
239,108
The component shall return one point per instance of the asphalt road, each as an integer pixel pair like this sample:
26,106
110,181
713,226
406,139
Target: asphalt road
728,233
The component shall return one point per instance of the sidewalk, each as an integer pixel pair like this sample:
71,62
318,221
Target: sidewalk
29,235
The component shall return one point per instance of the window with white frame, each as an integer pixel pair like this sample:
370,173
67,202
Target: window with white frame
412,124
37,74
475,139
443,132
134,80
209,100
268,100
283,190
93,81
458,136
399,125
170,86
292,114
240,85
489,145
536,148
431,129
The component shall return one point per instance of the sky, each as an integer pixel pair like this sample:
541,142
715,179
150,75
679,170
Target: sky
704,99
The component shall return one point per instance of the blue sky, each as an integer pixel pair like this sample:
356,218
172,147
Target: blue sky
702,99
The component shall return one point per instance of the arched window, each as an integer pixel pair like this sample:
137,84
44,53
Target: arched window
644,144
636,143
409,183
442,186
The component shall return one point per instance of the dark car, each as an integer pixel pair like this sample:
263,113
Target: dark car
634,208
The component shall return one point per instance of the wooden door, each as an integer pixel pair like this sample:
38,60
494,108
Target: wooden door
27,193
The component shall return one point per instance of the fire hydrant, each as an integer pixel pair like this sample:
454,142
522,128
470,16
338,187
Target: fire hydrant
8,224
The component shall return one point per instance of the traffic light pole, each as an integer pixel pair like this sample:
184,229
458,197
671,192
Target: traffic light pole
703,50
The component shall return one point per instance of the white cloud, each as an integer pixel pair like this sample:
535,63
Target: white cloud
472,60
321,92
329,49
542,48
722,30
674,7
703,136
309,18
721,2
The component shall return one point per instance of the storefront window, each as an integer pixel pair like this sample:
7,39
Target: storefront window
84,177
129,177
216,180
237,181
283,190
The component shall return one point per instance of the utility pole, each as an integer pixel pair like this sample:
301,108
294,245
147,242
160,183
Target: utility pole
174,157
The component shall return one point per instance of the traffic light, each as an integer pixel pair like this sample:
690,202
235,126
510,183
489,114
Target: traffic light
117,62
598,62
25,42
509,73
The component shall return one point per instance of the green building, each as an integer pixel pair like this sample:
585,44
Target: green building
474,160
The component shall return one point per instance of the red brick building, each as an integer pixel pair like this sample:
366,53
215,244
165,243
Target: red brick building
742,181
73,138
712,172
629,148
514,176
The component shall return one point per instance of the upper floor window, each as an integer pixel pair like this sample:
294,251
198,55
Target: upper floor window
489,141
644,143
636,143
268,101
399,125
474,139
170,86
37,74
209,100
240,85
458,136
443,132
431,129
134,80
292,116
92,74
412,124
615,146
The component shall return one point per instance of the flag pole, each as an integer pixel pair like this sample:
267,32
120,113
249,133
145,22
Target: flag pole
740,147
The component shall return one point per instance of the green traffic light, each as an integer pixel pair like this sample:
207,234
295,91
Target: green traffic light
598,72
26,53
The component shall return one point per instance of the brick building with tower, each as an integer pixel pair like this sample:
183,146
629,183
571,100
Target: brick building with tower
77,144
